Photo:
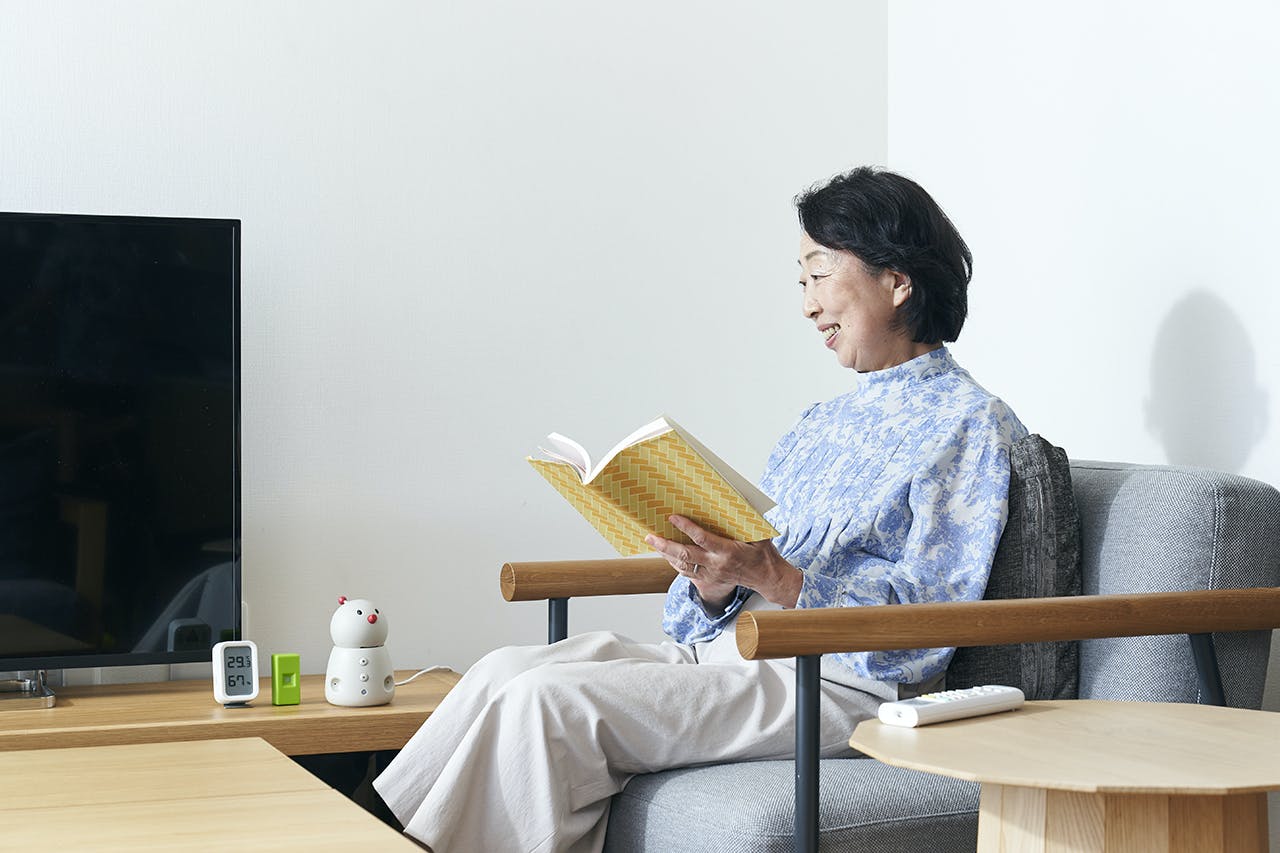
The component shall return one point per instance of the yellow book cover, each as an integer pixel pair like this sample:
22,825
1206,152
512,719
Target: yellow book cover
657,471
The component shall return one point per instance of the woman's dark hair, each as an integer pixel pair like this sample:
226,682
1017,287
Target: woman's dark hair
890,222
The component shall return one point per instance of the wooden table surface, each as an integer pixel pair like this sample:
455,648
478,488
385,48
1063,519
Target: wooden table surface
1094,746
186,710
231,794
1096,777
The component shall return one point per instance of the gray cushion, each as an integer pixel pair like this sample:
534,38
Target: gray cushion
1038,556
750,807
1156,528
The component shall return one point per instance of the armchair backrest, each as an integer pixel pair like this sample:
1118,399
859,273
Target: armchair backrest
1153,528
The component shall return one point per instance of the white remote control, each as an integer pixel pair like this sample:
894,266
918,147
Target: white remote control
950,705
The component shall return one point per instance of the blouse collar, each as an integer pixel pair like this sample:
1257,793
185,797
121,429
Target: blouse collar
922,368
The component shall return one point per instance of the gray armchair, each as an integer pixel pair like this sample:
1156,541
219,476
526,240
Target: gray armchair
1166,554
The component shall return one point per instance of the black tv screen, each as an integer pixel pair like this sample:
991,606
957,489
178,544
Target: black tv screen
119,439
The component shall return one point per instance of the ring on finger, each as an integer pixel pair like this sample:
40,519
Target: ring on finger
695,568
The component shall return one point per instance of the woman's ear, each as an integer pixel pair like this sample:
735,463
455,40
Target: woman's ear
901,287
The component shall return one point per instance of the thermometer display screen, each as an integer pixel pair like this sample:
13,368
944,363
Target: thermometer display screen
237,666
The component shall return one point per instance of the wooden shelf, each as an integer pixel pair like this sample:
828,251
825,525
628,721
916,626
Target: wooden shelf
112,714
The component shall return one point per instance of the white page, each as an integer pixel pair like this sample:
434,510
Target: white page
644,433
565,449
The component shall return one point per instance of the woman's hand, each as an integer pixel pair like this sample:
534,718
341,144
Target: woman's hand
716,565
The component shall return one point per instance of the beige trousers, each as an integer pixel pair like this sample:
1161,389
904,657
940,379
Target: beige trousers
525,752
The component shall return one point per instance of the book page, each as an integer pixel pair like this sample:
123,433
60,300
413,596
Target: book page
565,449
650,430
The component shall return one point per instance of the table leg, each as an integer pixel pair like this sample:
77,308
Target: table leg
1014,819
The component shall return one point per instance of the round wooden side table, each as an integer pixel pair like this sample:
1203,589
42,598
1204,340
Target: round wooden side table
1087,775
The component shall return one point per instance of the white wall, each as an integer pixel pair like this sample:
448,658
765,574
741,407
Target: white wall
465,225
1113,166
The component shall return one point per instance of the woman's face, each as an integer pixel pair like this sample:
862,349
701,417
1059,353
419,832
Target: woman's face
854,309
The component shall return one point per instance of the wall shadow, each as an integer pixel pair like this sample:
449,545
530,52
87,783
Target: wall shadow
1206,406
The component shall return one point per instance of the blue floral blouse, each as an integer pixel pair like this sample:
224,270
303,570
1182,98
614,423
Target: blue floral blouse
895,492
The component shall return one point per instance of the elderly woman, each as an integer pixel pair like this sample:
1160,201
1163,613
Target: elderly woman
893,492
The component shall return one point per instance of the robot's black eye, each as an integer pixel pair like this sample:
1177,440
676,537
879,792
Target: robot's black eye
376,610
359,612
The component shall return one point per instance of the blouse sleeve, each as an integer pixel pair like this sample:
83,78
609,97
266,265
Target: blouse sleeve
685,618
954,515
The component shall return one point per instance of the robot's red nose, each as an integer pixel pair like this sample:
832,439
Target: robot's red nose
373,617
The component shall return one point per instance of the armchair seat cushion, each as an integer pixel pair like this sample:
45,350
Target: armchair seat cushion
750,807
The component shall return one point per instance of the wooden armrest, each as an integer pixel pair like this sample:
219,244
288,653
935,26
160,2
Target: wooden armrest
573,578
788,633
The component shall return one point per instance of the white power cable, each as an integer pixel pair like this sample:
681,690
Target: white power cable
420,672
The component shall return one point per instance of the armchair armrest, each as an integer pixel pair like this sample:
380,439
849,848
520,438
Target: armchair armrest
575,578
789,633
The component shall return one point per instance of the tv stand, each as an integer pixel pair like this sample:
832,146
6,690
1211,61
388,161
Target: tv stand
109,714
20,693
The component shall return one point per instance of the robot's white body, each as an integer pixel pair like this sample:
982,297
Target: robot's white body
359,671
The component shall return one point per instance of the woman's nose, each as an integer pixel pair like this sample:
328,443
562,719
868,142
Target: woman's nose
809,305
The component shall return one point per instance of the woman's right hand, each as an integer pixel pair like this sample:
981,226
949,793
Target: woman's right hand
717,566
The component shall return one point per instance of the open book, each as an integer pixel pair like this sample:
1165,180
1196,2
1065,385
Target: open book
657,471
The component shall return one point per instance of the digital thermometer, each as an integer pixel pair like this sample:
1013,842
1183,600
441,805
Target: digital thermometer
235,672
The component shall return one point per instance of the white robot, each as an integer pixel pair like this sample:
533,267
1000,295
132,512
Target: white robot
359,671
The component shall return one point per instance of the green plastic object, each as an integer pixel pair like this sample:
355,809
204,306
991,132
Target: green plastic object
286,680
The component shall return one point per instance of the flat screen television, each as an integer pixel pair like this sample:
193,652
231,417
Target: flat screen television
119,439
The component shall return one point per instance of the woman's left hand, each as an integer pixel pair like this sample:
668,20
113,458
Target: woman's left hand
716,565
